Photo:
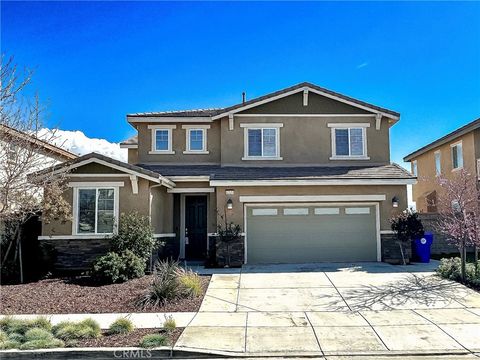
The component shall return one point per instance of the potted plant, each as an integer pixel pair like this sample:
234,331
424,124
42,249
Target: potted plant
407,226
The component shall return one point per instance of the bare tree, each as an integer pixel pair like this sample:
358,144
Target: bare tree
458,206
23,151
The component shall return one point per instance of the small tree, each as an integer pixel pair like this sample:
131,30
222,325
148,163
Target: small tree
135,234
228,232
458,206
22,152
406,226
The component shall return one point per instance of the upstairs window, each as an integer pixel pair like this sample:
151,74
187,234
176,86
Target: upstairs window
438,163
414,168
196,139
262,143
457,156
349,141
162,139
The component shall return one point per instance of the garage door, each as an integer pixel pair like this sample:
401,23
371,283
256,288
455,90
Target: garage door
301,234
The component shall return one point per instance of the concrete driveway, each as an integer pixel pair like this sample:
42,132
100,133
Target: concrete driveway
335,309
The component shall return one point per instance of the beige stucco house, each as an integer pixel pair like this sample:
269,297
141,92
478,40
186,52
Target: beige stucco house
304,171
457,150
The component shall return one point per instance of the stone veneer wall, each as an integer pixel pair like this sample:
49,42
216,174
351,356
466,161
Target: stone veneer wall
219,251
440,245
391,250
76,254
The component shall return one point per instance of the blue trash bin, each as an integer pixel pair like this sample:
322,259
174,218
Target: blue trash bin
421,248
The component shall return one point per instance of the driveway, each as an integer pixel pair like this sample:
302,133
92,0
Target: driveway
335,309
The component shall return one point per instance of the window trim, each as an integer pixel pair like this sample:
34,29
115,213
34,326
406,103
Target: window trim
438,171
75,204
415,167
349,126
261,126
188,129
458,143
154,129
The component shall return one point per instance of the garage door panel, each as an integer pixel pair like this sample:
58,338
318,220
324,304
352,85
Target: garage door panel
311,238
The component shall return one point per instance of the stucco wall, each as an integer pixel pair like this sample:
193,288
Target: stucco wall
179,146
386,210
426,167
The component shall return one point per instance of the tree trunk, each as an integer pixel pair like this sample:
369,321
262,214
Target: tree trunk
463,257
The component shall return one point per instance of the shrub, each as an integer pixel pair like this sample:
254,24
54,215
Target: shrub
38,334
3,336
153,340
407,225
191,282
42,344
85,329
169,324
9,344
16,337
121,326
113,268
165,286
42,322
135,234
451,268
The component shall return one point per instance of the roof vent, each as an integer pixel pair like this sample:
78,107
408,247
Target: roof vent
244,97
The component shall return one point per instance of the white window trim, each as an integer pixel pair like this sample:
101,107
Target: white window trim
154,129
188,129
94,186
362,126
415,167
261,126
438,153
458,143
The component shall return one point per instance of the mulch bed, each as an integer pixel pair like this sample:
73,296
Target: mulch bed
78,295
127,340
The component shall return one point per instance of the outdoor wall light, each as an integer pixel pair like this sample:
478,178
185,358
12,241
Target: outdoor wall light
229,204
395,202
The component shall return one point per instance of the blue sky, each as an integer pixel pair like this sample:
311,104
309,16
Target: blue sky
97,61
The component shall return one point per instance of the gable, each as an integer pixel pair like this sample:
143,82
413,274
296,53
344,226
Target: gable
95,168
293,104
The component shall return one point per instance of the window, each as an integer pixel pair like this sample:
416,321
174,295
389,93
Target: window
349,142
414,167
95,210
196,139
162,139
262,142
457,156
438,163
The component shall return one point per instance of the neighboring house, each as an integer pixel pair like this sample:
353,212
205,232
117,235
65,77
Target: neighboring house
304,171
46,154
458,150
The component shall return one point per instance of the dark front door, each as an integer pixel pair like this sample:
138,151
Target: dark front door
196,227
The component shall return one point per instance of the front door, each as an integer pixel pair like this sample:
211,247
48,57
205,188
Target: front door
196,227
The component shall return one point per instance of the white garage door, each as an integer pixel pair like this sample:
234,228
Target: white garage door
313,233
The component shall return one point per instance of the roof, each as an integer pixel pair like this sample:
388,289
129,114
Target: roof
216,172
224,111
130,142
99,158
42,144
475,124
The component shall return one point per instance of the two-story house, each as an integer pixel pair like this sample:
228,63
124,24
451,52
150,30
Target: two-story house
457,150
304,171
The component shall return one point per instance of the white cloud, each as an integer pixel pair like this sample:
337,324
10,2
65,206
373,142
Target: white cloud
78,143
362,65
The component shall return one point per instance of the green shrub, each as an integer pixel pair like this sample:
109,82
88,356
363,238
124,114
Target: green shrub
114,268
85,329
451,268
42,344
3,336
191,282
9,344
135,234
153,340
38,334
121,326
169,324
42,322
21,326
165,286
16,337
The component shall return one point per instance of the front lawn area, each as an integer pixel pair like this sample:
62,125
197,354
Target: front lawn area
79,295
